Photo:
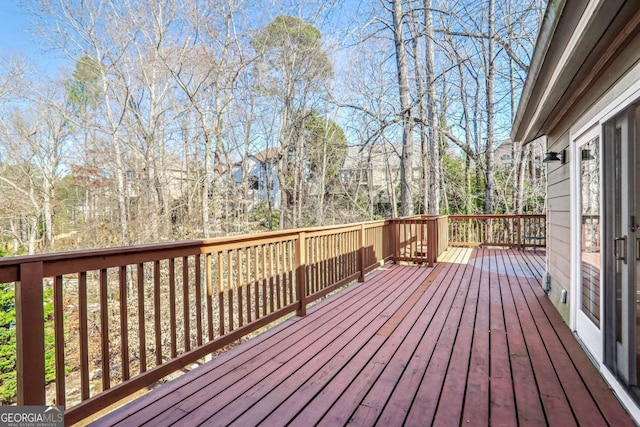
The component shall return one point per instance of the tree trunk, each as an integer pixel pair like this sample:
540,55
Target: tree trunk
406,162
121,191
490,149
521,169
206,188
48,210
432,116
390,183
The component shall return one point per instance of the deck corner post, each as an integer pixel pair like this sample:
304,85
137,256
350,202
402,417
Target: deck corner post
361,253
30,335
301,276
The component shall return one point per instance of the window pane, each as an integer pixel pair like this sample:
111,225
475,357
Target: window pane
590,208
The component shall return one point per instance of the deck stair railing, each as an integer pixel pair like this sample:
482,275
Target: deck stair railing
124,318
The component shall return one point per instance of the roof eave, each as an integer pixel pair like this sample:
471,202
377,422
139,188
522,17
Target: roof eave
545,36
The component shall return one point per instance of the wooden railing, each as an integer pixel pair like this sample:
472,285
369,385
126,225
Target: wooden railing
420,239
514,231
125,318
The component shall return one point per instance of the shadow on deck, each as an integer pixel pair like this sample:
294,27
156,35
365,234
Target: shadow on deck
472,341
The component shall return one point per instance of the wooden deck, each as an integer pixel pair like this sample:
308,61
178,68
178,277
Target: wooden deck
473,341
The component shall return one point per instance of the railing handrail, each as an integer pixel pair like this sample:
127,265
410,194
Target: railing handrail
458,216
9,271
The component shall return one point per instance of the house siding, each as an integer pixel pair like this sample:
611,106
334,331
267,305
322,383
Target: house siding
619,76
559,224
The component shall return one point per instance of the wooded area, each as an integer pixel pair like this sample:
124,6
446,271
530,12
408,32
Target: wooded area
178,120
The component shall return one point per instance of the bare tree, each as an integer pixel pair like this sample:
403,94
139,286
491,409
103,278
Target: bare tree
406,165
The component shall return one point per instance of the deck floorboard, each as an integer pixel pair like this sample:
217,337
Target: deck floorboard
473,341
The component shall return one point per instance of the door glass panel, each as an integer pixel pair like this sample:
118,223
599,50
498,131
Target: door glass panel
590,224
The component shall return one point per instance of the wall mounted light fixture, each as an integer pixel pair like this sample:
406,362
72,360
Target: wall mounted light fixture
586,155
552,156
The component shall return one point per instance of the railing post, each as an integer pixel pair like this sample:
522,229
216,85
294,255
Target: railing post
301,276
361,253
30,335
394,240
432,242
520,242
446,232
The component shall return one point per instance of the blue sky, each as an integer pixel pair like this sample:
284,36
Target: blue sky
14,24
17,42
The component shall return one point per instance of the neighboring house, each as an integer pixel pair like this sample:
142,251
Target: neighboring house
376,166
583,95
505,155
262,176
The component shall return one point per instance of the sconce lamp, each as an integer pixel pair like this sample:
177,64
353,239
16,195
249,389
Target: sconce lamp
586,155
552,156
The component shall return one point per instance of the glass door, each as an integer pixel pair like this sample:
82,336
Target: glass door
622,253
588,315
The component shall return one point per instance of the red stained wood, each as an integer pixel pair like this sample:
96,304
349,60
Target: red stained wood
428,393
467,343
385,361
527,398
476,408
502,409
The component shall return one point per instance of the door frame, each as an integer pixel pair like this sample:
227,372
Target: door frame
590,335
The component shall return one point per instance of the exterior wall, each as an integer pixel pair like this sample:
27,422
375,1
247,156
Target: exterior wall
559,225
622,74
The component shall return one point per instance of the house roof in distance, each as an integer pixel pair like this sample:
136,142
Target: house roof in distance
267,155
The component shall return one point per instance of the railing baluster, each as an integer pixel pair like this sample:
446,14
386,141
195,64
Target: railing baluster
58,317
334,259
124,324
198,290
256,287
220,294
264,280
142,340
239,286
361,254
284,271
172,307
326,258
248,282
83,335
186,318
276,261
271,280
209,280
340,256
314,262
157,318
230,289
291,260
